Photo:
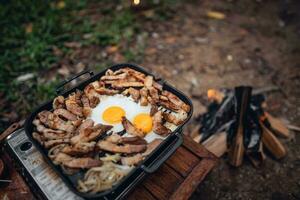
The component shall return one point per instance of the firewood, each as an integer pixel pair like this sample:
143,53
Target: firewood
237,149
195,133
257,158
216,144
272,143
278,126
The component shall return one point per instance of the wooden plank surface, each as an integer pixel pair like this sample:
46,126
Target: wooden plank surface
192,162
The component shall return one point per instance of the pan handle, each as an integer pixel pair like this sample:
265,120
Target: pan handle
61,86
166,154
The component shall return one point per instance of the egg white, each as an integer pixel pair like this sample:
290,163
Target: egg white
130,107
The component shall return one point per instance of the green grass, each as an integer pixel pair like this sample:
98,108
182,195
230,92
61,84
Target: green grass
29,32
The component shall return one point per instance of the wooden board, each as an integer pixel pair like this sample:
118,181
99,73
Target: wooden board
179,176
176,179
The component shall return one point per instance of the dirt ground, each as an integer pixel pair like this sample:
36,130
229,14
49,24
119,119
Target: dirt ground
256,44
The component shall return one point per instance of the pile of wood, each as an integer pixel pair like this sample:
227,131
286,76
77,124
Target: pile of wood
237,123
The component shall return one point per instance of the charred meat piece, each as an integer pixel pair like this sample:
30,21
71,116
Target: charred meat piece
154,95
175,118
144,96
78,95
169,105
134,93
175,100
51,143
137,75
154,109
91,94
79,148
113,77
73,106
157,86
85,124
109,72
54,122
88,134
105,91
148,81
94,101
151,146
158,127
80,163
38,137
42,129
132,160
125,84
117,139
133,140
50,134
86,105
127,148
65,114
58,102
131,129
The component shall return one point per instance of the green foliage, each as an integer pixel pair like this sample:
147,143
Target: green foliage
30,30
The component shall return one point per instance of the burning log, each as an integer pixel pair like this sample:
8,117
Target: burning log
235,117
278,126
236,152
272,143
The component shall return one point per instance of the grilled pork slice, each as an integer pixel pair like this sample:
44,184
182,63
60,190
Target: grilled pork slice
127,148
72,104
79,148
91,94
51,143
134,93
175,100
144,96
113,77
58,102
38,137
65,114
42,129
132,160
175,118
125,84
117,139
53,121
158,127
148,82
132,73
105,91
80,163
151,146
153,94
131,129
88,123
88,134
86,111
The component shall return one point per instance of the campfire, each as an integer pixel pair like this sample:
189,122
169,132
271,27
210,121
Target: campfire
236,122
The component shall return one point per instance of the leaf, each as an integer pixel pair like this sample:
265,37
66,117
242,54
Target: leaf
215,15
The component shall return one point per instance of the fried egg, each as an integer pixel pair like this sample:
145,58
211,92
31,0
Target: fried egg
111,109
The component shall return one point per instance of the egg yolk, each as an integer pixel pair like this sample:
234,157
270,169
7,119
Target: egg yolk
143,122
113,114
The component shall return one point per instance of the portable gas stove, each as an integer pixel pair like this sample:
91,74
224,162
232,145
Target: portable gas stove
43,181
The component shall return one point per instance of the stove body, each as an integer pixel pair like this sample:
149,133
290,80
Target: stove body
41,178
